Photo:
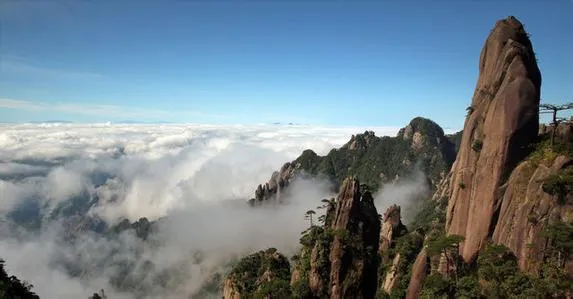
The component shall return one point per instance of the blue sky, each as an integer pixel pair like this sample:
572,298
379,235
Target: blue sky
367,63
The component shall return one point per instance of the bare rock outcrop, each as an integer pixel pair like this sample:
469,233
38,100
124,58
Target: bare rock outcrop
277,184
502,120
391,227
419,271
391,275
526,210
353,266
230,291
360,141
340,258
428,143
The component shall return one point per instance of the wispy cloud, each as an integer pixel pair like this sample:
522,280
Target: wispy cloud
23,68
108,111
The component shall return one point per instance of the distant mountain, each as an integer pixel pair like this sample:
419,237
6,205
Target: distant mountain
373,160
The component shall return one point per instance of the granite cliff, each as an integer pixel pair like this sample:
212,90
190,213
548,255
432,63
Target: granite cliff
499,224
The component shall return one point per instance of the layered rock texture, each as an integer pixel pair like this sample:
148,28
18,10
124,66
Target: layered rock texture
499,224
419,272
527,208
338,260
502,122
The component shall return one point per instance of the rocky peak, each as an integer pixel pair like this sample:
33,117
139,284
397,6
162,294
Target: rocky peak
342,254
351,274
423,132
277,183
502,120
360,141
391,226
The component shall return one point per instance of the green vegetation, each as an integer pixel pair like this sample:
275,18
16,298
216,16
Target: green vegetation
261,274
456,139
321,238
470,109
308,215
560,184
142,227
477,145
408,246
495,273
367,156
12,288
542,151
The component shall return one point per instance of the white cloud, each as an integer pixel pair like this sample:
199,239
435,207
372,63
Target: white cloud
407,192
107,111
196,175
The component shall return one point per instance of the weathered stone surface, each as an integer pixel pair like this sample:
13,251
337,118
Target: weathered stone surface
230,291
502,121
354,275
316,283
279,181
526,210
361,141
392,224
392,275
342,254
419,270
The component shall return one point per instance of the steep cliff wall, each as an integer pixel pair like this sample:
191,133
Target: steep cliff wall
502,121
340,258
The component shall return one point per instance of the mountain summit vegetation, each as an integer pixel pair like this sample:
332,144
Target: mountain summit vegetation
374,160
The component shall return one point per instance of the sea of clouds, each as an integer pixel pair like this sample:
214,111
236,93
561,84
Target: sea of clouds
195,178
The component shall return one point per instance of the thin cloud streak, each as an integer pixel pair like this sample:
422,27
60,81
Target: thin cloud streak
108,111
18,67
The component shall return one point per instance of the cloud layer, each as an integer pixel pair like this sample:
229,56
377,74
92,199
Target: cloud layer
193,177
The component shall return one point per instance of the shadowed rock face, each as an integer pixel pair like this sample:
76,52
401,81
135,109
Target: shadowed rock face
419,271
354,275
342,255
502,120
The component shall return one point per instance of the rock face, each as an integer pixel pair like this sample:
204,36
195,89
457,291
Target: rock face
526,209
273,189
423,132
354,275
340,258
360,141
502,120
419,271
230,291
391,226
392,275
